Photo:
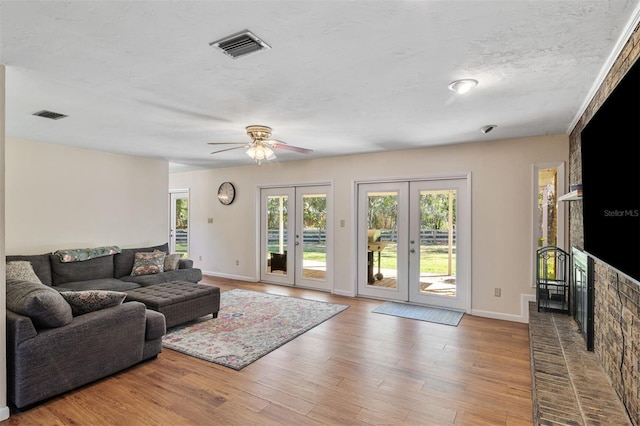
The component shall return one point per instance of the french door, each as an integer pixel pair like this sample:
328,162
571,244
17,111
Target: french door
295,236
413,242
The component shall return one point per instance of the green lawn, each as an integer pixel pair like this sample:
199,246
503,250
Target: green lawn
182,248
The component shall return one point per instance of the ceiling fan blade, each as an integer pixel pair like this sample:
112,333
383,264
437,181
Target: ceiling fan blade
226,143
228,149
287,147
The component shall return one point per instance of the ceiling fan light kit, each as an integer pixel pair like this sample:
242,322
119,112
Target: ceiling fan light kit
259,152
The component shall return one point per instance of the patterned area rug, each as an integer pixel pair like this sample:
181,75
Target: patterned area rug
422,313
250,324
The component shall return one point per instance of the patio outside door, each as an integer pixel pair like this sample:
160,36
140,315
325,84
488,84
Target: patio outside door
179,226
413,242
295,236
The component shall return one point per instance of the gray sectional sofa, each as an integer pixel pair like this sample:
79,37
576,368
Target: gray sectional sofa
111,272
50,351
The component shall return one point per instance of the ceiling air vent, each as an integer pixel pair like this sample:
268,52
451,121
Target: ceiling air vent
49,114
240,44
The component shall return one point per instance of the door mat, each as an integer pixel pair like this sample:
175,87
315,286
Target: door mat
422,313
250,324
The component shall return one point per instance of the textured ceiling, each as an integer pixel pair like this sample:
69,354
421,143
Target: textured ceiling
342,77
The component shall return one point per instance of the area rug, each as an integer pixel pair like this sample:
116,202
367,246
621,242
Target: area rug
250,324
422,313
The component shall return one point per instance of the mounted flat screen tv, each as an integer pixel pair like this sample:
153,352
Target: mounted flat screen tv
611,178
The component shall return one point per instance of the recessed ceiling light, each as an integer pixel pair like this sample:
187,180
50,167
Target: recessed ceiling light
462,86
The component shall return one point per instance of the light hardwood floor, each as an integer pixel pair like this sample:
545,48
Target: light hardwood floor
358,368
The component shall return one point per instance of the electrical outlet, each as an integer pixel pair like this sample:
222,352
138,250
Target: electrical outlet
237,262
199,257
497,292
341,223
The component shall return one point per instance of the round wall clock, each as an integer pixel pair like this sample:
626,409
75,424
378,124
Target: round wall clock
226,193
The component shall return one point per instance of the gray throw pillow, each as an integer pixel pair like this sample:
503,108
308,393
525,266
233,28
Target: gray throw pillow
172,262
44,305
83,302
22,270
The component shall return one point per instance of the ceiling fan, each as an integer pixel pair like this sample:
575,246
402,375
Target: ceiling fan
261,148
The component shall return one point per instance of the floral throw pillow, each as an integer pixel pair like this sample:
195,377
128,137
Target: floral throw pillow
83,302
148,263
22,270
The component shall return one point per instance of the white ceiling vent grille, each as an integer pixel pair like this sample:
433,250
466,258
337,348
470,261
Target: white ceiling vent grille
49,114
240,44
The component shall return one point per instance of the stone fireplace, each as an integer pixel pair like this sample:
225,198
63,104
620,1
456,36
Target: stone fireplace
616,313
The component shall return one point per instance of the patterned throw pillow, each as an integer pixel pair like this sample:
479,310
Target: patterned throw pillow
148,263
83,302
22,270
172,262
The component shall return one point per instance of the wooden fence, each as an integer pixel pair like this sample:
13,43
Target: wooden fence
317,236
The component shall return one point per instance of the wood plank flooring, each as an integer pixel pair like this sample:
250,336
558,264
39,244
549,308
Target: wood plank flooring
358,368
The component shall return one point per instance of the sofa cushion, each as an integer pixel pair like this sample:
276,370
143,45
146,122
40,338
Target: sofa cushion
192,275
112,284
100,267
83,302
22,270
44,305
123,262
148,263
40,264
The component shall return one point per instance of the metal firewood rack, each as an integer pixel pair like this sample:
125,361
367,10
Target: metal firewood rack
553,291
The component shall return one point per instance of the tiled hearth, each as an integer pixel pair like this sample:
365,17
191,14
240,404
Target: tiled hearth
569,385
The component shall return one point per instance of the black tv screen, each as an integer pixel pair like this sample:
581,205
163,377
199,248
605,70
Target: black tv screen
611,178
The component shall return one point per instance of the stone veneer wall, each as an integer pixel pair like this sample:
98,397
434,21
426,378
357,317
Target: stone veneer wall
617,299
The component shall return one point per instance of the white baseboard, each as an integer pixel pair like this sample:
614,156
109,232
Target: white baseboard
231,277
345,293
5,412
524,311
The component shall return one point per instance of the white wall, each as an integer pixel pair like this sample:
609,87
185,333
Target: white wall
4,409
502,197
65,197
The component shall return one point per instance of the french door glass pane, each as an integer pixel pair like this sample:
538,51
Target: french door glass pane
314,247
382,242
277,220
438,242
